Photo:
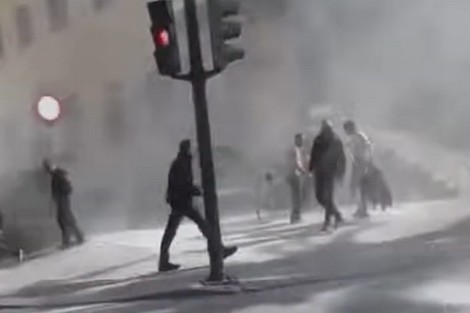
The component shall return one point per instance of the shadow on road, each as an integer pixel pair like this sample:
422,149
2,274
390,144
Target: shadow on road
368,277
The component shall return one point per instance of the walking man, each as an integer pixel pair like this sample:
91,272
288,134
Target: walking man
297,177
180,192
360,149
328,164
61,189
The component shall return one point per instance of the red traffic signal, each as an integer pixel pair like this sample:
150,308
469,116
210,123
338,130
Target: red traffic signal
163,30
161,38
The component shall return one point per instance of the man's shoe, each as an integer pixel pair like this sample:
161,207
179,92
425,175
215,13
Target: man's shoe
338,223
228,251
294,221
168,267
360,214
65,246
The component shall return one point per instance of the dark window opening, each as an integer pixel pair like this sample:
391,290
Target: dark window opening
58,13
99,5
115,123
2,47
24,26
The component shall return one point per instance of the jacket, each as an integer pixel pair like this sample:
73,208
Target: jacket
327,156
60,184
180,180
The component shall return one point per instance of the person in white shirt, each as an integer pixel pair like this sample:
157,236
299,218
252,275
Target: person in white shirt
296,176
360,148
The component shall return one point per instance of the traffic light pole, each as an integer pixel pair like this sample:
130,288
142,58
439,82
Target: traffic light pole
198,78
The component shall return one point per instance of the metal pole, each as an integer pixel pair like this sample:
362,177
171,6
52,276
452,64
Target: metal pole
198,81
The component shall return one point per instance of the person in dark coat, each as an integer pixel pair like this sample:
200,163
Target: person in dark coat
328,164
61,189
180,192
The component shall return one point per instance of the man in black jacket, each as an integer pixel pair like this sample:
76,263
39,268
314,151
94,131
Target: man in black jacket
328,163
180,192
61,189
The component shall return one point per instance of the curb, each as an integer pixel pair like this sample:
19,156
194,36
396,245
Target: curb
187,292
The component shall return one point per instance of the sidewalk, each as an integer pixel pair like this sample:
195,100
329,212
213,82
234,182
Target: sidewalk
272,256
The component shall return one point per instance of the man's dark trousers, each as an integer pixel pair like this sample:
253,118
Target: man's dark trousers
296,186
66,220
324,189
180,209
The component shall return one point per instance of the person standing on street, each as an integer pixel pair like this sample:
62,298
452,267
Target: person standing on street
297,176
180,192
61,189
328,164
360,149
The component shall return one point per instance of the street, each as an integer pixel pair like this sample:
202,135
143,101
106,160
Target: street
185,156
404,260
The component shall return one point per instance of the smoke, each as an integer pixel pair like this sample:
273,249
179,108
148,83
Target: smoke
401,64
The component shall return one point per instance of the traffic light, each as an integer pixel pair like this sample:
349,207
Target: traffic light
223,28
164,36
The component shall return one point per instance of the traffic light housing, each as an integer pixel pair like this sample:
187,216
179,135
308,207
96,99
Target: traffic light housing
163,30
223,29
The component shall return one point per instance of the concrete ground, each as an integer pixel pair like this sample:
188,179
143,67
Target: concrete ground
414,258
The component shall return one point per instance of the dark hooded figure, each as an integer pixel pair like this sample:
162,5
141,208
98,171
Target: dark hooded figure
180,192
328,164
61,189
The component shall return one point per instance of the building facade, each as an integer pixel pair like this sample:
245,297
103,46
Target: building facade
80,52
85,54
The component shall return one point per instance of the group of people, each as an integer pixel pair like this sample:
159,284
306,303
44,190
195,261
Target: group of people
326,164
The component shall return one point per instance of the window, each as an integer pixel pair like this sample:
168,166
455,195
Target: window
24,26
57,12
99,5
115,120
2,47
70,128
